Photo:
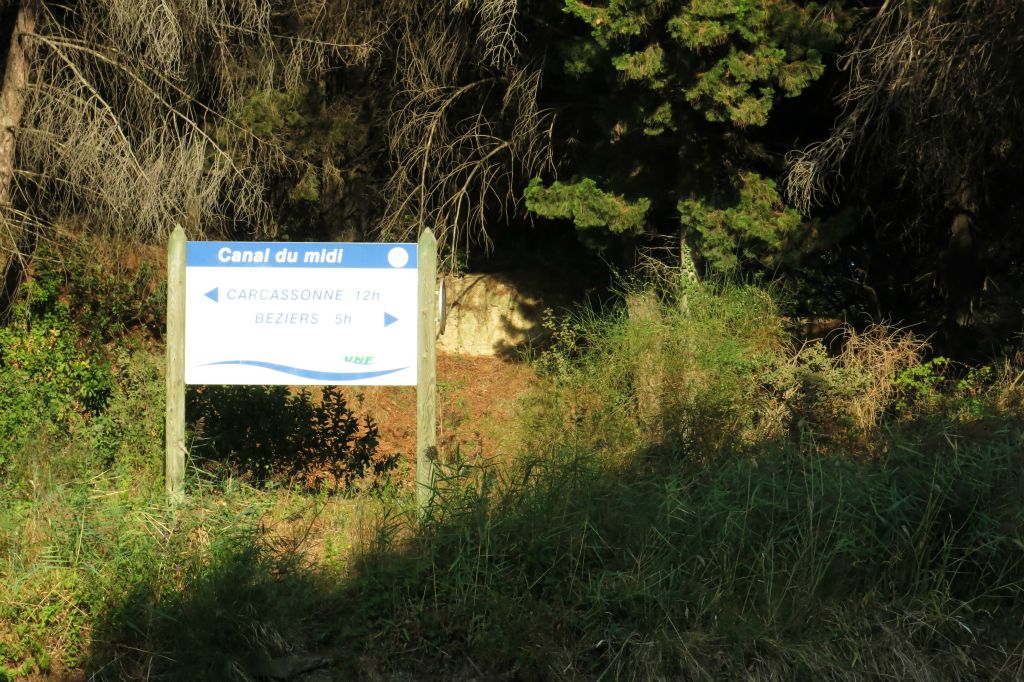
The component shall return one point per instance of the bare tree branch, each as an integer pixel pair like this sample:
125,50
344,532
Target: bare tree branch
930,99
461,147
122,98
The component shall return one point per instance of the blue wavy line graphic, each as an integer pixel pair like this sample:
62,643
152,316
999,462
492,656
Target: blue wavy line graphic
309,373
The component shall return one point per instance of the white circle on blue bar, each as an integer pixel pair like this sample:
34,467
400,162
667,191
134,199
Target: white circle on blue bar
398,257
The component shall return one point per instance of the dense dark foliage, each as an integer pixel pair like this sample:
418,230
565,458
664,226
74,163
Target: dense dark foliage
865,154
928,151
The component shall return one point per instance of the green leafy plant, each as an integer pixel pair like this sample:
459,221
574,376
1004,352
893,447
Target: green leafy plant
271,433
919,384
52,385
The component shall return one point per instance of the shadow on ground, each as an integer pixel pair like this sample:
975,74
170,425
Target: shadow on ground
562,567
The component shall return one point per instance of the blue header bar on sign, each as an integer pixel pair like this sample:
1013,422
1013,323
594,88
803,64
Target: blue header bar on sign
300,255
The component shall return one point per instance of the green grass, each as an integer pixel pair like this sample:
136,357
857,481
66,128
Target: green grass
695,499
793,567
565,568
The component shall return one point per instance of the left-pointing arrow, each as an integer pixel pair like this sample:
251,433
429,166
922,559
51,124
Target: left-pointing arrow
213,295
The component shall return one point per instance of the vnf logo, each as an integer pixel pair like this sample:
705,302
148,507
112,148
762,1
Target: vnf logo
359,359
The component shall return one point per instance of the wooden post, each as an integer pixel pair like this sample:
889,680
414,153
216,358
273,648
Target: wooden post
174,428
426,379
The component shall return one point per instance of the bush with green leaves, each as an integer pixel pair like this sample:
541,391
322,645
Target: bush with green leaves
128,435
710,370
271,433
82,384
52,385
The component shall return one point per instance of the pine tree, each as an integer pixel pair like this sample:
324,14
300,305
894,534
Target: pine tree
669,97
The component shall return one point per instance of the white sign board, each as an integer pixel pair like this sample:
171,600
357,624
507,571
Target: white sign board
300,313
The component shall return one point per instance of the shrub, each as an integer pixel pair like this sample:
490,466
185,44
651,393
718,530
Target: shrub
270,433
128,435
52,386
61,372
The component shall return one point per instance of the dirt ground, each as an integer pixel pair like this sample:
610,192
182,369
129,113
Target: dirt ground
477,408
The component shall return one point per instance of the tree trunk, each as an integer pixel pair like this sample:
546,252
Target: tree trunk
13,236
962,271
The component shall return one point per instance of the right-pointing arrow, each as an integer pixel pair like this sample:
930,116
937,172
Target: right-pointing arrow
389,319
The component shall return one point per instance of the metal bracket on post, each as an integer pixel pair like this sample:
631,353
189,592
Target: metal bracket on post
442,305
